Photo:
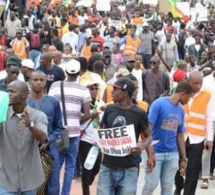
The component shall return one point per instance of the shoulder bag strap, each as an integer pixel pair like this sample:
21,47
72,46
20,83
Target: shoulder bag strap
63,102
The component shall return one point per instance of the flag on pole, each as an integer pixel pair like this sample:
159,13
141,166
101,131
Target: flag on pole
174,9
66,3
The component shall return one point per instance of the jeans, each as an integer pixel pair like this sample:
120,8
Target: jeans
33,55
165,170
146,60
69,156
87,176
53,183
4,191
181,53
117,181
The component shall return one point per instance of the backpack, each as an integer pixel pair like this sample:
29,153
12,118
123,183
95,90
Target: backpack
35,40
181,39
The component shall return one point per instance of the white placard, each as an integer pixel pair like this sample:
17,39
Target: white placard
103,5
2,2
184,7
117,24
116,141
202,11
150,2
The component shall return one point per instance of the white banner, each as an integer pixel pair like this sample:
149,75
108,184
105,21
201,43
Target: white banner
116,141
103,5
202,14
150,2
117,24
184,7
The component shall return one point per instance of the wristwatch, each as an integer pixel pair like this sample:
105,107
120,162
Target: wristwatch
31,124
184,159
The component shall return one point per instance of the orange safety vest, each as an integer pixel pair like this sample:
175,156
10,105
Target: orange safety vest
137,21
109,90
86,51
131,46
19,48
143,105
195,116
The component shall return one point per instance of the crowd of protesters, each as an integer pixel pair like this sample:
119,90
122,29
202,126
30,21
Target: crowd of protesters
132,65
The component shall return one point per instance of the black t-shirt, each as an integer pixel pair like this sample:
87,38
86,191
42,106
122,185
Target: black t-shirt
55,74
115,116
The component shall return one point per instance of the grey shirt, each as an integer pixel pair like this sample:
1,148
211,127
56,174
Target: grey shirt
146,42
155,85
20,162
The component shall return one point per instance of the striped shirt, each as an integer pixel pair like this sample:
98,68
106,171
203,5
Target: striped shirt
75,96
20,163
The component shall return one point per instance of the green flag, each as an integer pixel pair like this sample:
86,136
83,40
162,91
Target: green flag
4,102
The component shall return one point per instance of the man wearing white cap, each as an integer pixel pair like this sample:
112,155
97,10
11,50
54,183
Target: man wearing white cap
77,100
27,68
147,45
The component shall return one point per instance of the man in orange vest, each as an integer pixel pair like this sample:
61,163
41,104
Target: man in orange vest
131,42
20,45
199,134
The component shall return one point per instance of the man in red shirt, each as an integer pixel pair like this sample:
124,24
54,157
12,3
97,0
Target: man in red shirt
96,39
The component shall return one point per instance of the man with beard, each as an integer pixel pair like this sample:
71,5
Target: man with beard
155,82
21,168
110,69
51,107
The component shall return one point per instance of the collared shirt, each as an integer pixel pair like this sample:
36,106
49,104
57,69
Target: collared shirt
20,163
11,27
194,139
209,84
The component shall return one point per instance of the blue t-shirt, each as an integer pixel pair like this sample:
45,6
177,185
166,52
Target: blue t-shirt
167,120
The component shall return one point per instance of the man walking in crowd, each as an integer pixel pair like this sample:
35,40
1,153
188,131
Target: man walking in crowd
21,168
146,48
155,82
13,68
10,26
53,73
166,116
51,107
198,133
118,175
169,50
77,97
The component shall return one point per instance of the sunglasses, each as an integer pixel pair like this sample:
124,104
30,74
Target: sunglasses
152,62
94,89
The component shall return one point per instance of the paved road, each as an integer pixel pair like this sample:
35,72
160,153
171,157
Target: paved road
76,186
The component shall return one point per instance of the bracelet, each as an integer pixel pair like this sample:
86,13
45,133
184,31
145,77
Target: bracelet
184,159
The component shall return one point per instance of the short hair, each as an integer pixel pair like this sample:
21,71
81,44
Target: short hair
185,87
134,27
55,32
83,63
99,66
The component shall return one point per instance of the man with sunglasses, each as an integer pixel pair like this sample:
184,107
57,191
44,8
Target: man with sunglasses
119,175
155,82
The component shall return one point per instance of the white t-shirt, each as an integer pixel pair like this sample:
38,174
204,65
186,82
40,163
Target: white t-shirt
3,75
138,75
71,38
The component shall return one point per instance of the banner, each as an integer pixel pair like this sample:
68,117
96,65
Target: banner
103,5
150,2
117,24
184,7
116,141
